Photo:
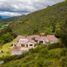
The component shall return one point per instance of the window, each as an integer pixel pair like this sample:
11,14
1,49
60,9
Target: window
31,45
22,45
36,40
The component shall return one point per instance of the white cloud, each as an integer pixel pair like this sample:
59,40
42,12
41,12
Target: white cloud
9,14
18,7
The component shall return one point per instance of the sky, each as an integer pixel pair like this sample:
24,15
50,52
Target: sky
22,7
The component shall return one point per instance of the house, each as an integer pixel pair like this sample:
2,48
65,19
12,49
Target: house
45,39
41,39
52,39
24,43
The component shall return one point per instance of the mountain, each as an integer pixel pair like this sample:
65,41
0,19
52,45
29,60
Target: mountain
0,17
47,21
4,17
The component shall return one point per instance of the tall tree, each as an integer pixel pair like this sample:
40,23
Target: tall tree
64,34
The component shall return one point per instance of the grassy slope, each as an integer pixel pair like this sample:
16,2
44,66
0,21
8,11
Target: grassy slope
6,49
40,57
43,21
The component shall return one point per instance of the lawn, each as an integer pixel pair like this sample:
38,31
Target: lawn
6,49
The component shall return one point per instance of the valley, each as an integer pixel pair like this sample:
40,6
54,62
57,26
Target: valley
42,33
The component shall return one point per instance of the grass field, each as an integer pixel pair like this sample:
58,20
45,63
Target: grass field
6,49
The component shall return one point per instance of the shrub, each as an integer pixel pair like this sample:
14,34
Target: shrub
55,45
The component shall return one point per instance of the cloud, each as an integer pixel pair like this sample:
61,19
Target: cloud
9,14
18,7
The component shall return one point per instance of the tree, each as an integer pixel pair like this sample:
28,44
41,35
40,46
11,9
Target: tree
53,21
7,37
63,34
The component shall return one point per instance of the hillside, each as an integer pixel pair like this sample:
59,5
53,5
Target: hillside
47,21
40,57
52,20
6,34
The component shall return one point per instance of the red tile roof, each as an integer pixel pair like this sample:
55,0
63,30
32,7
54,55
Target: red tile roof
51,37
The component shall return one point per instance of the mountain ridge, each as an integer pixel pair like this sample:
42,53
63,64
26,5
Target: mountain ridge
42,21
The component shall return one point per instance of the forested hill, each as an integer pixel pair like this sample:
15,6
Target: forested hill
46,21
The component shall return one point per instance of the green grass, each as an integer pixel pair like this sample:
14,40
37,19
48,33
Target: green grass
40,57
6,49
